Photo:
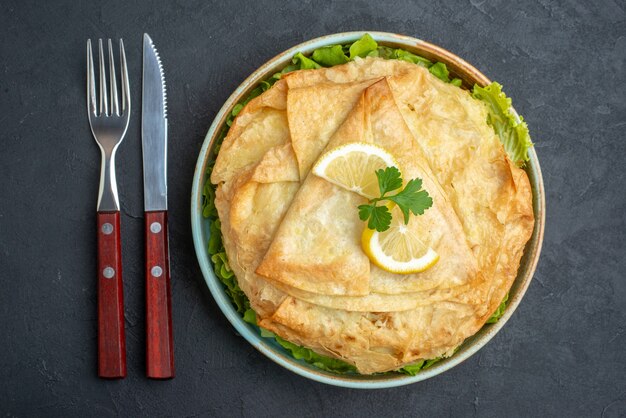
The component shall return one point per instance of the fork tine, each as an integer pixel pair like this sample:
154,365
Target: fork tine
91,83
124,76
115,110
104,108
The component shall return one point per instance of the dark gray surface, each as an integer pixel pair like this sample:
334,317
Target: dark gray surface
563,352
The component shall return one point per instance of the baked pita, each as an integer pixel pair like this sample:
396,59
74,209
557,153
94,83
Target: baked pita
321,232
330,298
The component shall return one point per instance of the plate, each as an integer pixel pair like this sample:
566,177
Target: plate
200,225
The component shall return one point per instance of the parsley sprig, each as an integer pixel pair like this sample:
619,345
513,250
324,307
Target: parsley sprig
411,199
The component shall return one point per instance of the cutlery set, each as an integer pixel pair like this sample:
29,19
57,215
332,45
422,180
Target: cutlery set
108,119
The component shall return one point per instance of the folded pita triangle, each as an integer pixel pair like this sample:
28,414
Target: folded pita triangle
317,247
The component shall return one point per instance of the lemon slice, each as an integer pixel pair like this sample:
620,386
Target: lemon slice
399,249
353,166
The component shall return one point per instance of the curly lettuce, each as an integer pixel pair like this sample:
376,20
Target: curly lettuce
328,56
321,362
513,135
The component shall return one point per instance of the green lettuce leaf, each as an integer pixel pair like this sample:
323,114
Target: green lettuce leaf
305,63
412,369
237,108
311,357
208,204
250,316
440,71
329,56
221,267
403,55
363,46
513,135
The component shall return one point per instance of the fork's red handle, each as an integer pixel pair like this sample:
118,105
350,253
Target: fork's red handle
111,339
159,340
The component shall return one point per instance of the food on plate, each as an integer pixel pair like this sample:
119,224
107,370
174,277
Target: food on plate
370,215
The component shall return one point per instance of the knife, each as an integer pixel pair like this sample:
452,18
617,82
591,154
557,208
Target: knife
159,340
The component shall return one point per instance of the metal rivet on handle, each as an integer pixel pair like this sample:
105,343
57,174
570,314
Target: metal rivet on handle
108,272
156,271
155,227
107,228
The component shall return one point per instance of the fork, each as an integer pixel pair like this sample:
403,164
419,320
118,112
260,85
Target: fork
108,126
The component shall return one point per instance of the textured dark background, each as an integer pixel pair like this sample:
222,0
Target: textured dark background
563,352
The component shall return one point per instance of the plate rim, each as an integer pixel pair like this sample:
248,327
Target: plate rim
480,339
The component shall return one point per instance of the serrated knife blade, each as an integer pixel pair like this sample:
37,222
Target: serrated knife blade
159,333
153,129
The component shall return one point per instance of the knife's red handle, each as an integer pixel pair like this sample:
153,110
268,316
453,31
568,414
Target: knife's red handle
159,340
111,339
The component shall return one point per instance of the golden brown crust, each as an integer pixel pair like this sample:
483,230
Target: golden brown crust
315,112
301,255
261,125
317,247
377,321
